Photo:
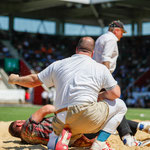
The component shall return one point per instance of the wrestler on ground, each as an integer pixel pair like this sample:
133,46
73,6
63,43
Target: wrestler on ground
36,129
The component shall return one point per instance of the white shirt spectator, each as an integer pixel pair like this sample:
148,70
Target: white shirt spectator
131,101
52,94
44,94
106,49
26,43
5,49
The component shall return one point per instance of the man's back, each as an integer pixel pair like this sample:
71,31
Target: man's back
77,79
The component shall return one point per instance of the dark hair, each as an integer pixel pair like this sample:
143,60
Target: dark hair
12,130
86,44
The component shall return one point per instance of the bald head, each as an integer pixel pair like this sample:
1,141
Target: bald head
86,44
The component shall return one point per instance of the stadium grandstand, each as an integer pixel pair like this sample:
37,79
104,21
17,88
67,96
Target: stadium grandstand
35,33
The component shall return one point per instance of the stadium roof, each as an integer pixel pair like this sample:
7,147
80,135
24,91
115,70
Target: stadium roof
89,1
90,12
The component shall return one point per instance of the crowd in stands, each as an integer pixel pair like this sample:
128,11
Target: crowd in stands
48,97
138,96
4,52
134,58
39,51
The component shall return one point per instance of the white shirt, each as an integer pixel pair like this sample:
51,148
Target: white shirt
106,49
77,79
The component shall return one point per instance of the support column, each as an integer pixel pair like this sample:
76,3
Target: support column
133,28
99,20
139,28
59,28
11,27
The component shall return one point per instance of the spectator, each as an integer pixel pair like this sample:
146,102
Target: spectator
45,99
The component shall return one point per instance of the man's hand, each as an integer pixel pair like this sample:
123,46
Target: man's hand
29,81
107,64
100,96
13,78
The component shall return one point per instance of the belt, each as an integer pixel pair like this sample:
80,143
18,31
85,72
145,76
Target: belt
61,110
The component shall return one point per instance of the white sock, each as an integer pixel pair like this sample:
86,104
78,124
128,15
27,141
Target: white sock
52,141
128,140
126,136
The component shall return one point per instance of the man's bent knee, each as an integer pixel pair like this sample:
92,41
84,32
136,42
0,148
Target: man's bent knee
121,105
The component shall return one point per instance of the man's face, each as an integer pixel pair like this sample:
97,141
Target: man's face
18,124
118,32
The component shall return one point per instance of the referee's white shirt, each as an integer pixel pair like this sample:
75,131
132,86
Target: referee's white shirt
106,49
77,79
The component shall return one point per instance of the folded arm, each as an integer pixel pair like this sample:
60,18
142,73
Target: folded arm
111,94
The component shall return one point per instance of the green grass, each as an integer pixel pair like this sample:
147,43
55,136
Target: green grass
16,113
138,114
23,113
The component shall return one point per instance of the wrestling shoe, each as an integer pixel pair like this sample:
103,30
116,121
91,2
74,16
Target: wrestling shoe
146,143
63,140
137,143
129,140
144,126
142,143
98,145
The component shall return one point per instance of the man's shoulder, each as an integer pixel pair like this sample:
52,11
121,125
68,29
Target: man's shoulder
99,65
59,62
106,37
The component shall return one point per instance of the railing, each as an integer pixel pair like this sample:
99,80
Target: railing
4,78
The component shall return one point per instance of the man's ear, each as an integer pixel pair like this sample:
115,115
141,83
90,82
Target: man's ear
76,50
92,54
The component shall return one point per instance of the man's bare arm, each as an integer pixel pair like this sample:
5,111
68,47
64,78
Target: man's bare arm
31,80
107,64
110,94
42,112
